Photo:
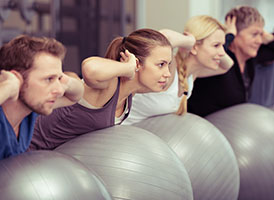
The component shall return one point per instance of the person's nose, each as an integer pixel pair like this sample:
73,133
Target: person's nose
58,89
167,73
259,39
221,51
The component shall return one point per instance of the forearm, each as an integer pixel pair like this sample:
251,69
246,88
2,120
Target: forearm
228,40
75,89
96,70
5,92
226,62
178,39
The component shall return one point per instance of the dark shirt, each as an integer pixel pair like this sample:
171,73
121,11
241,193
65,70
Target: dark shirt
214,93
69,122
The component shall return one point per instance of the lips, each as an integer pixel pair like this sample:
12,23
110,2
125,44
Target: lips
218,61
162,82
51,101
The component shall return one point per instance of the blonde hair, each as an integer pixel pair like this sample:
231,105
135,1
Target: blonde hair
200,27
245,16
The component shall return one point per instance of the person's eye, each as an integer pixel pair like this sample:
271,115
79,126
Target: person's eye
217,45
255,34
49,79
161,64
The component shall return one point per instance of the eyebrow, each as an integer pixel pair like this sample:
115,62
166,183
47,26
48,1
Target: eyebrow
163,61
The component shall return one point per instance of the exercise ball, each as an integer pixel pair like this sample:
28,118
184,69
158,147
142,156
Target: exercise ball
250,130
48,175
133,163
205,152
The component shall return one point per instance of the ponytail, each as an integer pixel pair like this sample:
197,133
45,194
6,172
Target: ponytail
182,74
114,49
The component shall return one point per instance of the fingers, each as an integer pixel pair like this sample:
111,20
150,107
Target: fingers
186,33
123,57
4,75
231,20
65,78
231,25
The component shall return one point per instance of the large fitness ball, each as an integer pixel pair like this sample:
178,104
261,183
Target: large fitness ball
250,131
48,175
134,163
205,152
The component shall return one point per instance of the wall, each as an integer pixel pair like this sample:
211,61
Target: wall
162,14
173,14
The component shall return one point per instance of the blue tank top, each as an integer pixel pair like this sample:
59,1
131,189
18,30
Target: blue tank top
69,122
9,144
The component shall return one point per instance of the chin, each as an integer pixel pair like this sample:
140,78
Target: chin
253,54
157,90
214,66
45,112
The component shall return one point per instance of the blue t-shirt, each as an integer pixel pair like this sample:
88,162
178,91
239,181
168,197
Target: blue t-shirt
9,144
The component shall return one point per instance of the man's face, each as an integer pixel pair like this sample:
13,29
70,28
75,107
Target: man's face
42,86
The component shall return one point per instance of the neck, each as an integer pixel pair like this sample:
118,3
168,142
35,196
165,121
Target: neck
241,58
128,87
193,67
15,112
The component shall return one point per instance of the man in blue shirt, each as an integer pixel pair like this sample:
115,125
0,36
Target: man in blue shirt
31,83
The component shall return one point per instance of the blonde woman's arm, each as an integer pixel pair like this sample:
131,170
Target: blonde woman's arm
185,40
225,64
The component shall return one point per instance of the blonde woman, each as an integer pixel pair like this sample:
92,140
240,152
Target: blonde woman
200,54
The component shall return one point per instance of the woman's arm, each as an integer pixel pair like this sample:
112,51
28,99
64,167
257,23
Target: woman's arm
74,90
98,72
185,40
225,65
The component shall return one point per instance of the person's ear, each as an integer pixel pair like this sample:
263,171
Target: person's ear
138,65
194,50
18,75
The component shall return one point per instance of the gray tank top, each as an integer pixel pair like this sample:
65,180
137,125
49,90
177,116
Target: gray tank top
69,122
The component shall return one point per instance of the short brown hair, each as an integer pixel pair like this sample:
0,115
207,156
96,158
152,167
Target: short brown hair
19,53
246,16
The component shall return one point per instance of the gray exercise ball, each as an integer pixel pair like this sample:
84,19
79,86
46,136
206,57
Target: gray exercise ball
250,130
205,152
48,175
133,163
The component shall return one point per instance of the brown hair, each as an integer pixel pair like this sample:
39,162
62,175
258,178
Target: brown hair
139,42
245,16
19,53
201,27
